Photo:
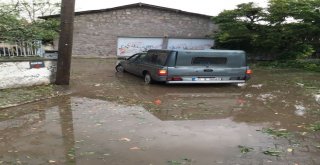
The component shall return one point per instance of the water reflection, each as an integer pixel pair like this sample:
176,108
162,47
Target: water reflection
31,133
79,130
67,130
260,101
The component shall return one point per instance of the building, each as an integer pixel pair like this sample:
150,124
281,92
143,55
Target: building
136,27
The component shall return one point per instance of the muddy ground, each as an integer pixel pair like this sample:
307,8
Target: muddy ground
114,118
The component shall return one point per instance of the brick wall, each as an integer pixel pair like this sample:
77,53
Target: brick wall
96,34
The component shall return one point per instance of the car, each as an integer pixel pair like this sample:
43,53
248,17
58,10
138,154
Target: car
188,66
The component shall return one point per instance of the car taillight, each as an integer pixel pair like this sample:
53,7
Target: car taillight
162,72
249,71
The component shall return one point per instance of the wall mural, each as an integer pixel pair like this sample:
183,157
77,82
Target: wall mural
129,46
190,44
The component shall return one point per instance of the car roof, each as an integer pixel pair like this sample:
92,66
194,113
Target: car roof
207,50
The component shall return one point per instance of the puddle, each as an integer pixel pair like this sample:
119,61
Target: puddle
269,97
74,130
93,129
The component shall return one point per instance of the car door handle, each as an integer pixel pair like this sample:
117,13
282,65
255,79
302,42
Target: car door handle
208,70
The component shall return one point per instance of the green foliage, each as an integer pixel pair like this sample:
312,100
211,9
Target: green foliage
244,149
272,152
315,126
14,26
286,29
309,65
239,27
276,133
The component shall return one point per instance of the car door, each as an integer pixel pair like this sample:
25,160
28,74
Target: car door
129,63
133,64
140,64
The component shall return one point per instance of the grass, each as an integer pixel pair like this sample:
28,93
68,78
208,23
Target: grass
245,149
276,133
308,65
179,162
272,152
315,127
13,97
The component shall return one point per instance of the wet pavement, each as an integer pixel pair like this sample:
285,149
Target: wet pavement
114,118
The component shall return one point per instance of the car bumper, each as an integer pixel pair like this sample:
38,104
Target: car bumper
206,82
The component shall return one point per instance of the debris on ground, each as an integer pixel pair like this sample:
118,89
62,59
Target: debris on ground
157,102
300,84
300,110
52,161
277,133
315,127
241,84
185,161
258,86
125,139
290,150
317,97
272,152
245,149
266,97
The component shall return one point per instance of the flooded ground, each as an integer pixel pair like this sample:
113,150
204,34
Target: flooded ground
114,118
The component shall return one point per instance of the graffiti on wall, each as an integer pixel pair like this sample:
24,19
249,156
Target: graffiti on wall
190,44
130,46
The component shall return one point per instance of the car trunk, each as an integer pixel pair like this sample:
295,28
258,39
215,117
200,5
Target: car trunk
209,65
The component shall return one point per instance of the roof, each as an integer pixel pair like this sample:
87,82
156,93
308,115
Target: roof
129,6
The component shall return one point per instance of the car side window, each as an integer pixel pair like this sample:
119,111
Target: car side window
142,57
162,58
132,58
158,58
148,57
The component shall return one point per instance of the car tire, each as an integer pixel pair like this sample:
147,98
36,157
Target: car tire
119,68
148,79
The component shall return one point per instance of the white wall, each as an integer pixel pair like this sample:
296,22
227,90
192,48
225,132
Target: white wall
190,44
19,74
128,46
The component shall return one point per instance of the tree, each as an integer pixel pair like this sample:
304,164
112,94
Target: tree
239,28
15,24
286,29
298,23
32,9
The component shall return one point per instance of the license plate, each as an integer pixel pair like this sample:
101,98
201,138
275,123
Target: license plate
206,79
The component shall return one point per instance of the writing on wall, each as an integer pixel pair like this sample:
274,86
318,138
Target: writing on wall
129,46
190,44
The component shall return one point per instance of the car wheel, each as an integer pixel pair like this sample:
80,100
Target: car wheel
119,68
147,78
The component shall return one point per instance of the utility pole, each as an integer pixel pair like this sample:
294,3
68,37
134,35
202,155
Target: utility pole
65,42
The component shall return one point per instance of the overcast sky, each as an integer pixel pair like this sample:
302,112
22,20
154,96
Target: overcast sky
208,7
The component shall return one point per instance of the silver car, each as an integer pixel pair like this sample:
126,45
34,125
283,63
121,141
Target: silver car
188,66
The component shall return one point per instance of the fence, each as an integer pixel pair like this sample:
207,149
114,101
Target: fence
21,49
